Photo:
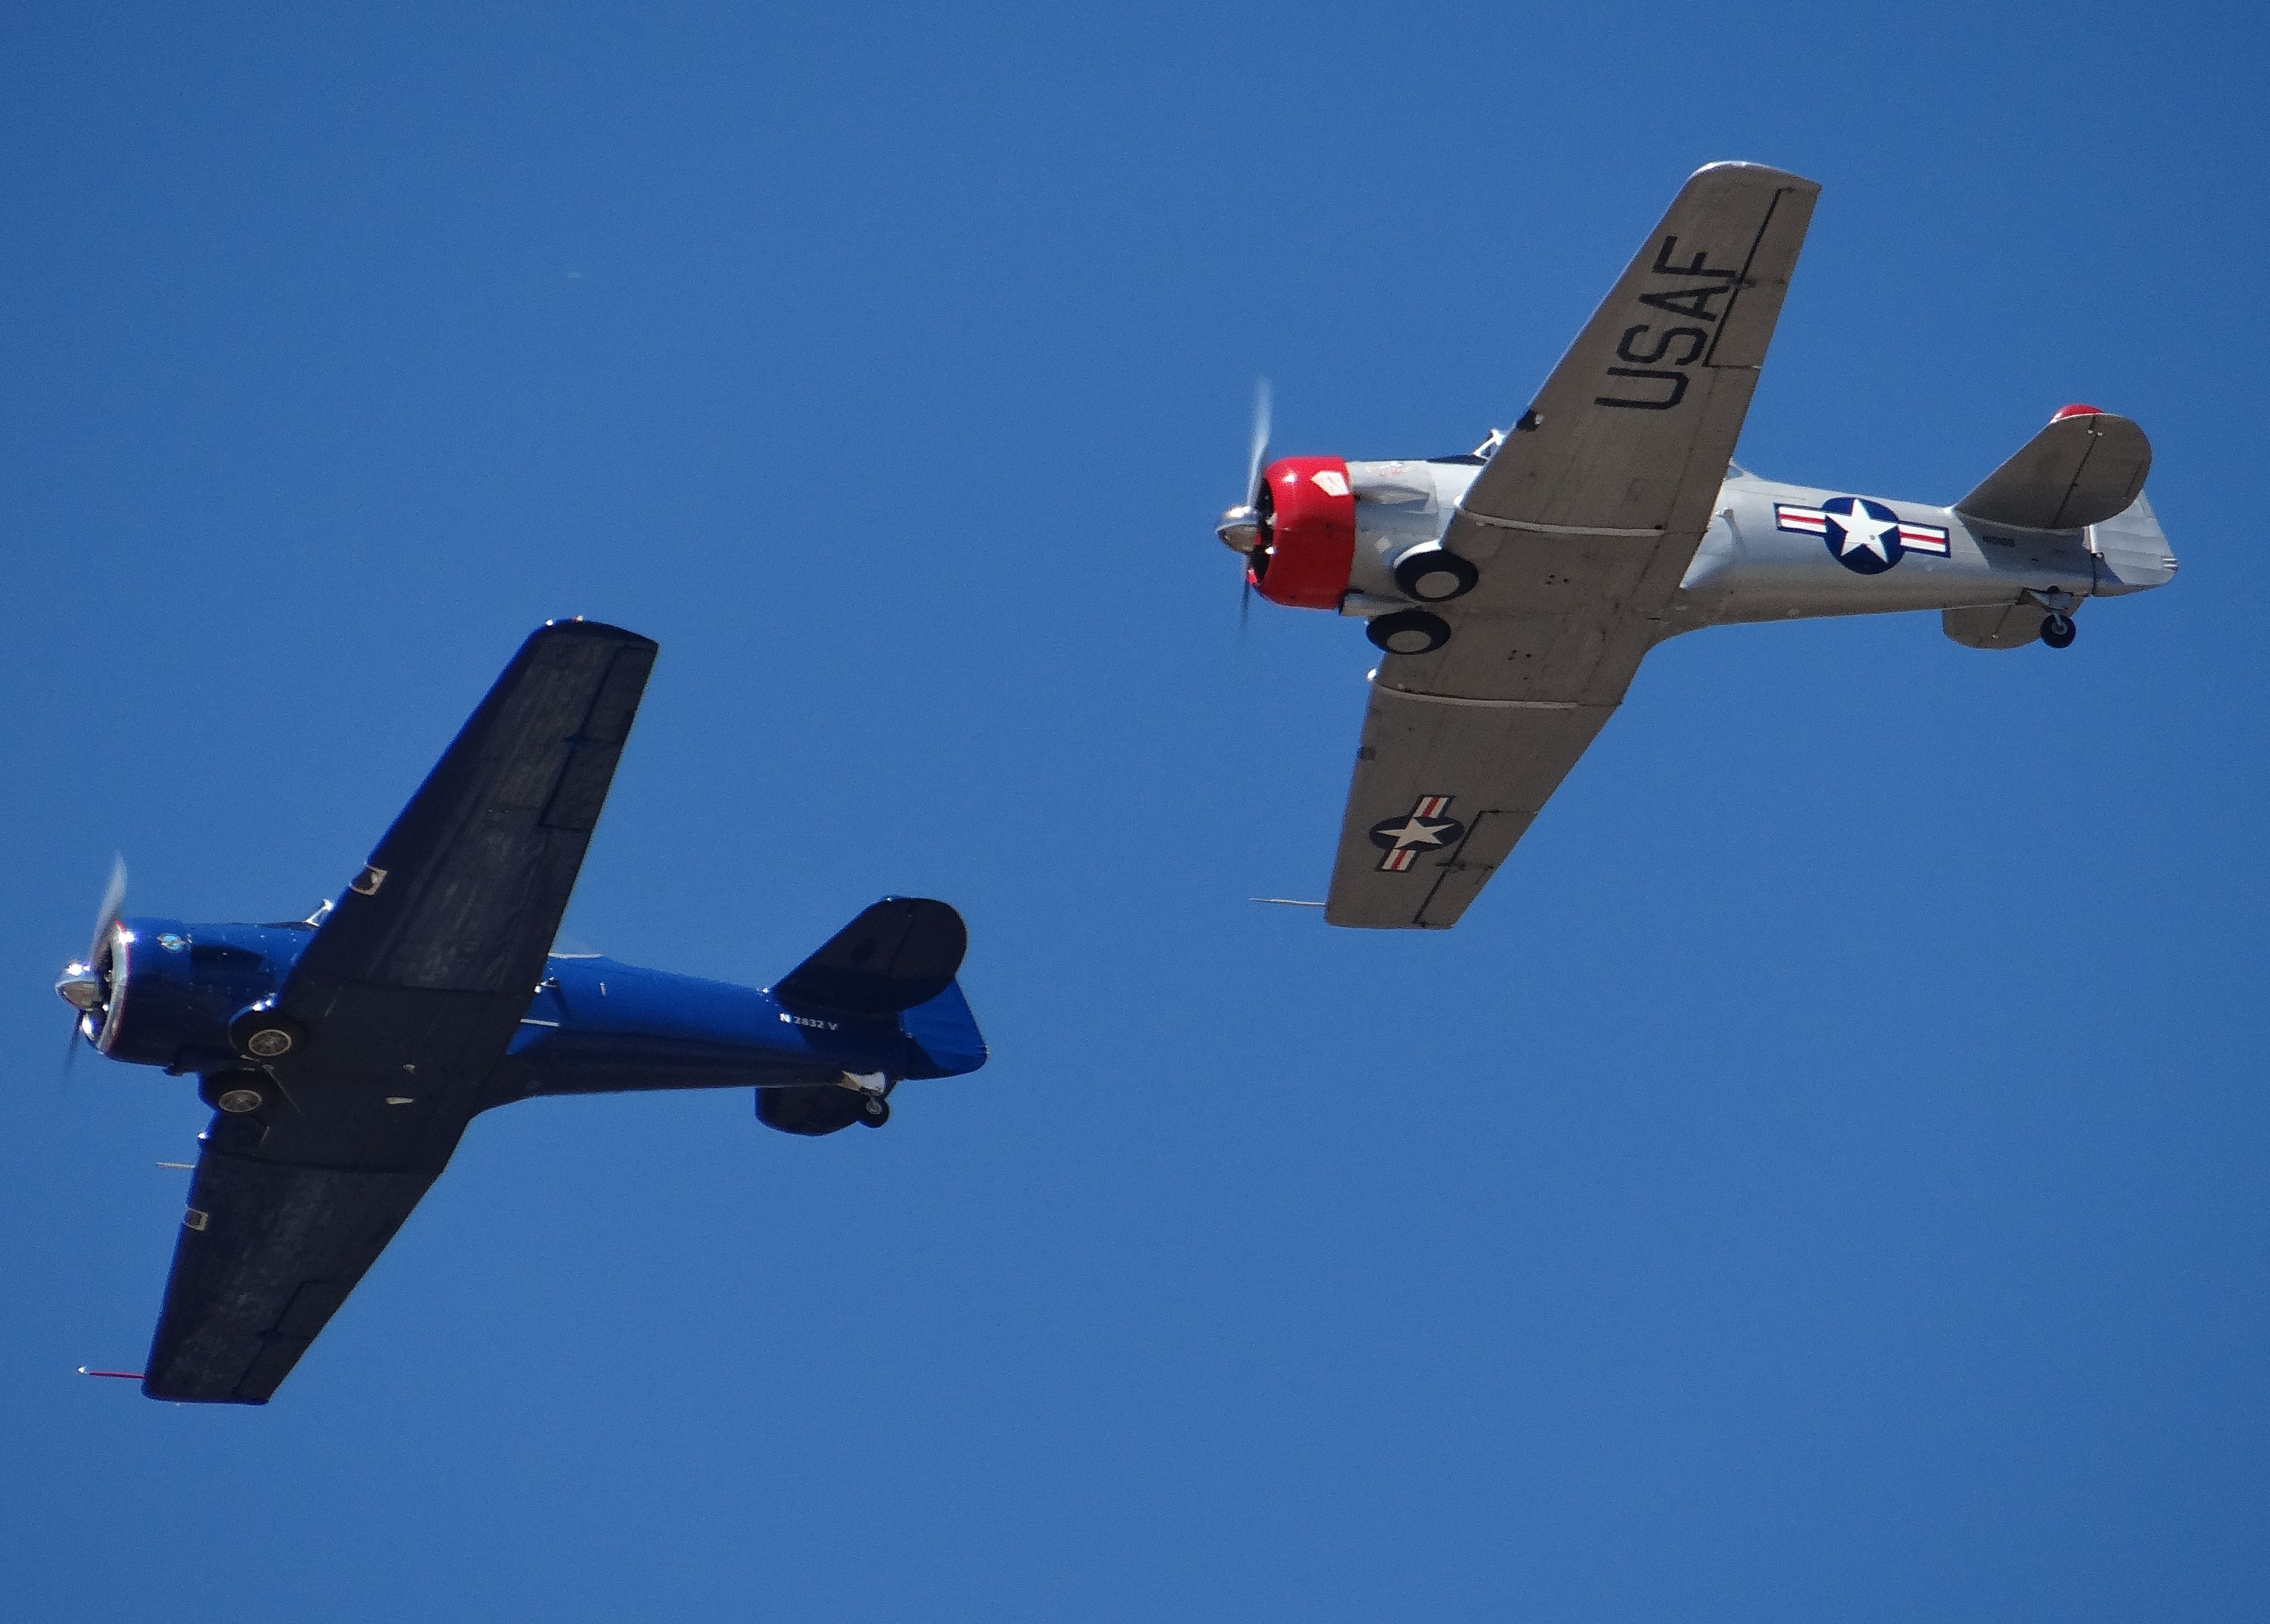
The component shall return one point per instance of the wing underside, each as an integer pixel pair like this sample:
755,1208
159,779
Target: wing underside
1442,792
268,1251
1582,524
408,996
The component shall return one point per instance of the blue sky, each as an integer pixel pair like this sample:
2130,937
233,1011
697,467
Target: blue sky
1822,1177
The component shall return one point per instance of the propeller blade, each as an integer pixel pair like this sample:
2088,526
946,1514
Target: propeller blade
1259,456
114,898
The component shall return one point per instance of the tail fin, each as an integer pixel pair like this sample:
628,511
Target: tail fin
896,959
2083,469
901,952
2132,552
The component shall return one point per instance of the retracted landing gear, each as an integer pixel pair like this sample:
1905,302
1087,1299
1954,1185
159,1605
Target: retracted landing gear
237,1093
261,1033
2057,630
1408,631
1433,576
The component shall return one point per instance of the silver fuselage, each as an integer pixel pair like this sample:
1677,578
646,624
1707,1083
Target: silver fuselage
1753,566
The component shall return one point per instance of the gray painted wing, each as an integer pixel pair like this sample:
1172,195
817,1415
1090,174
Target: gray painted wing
411,991
1448,788
1583,525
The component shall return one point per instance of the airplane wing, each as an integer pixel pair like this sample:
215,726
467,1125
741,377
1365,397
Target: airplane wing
268,1251
410,992
1583,525
430,958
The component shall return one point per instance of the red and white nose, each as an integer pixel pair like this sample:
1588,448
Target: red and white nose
1304,545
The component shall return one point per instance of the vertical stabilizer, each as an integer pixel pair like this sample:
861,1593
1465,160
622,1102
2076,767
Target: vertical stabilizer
2132,552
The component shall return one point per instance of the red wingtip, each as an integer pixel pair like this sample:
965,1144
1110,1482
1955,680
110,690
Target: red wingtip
2077,411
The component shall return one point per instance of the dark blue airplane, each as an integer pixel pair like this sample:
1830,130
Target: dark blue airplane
343,1054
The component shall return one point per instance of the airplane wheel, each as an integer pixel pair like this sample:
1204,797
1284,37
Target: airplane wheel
2057,631
1434,576
1408,631
876,1111
263,1034
235,1093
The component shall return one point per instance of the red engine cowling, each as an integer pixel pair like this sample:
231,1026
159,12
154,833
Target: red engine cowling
1306,533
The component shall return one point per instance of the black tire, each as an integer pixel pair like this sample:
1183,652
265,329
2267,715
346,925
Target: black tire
1434,576
1408,631
237,1094
264,1036
875,1110
2057,631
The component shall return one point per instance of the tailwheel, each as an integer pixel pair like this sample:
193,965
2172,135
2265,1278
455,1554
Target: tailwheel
1408,631
2057,630
874,1110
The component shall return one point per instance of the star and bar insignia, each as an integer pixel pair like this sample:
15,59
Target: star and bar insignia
1425,829
1861,535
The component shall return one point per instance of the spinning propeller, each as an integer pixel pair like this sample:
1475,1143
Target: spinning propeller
1244,529
84,983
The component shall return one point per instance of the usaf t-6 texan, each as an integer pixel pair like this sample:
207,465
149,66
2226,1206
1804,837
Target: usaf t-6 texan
1513,591
343,1054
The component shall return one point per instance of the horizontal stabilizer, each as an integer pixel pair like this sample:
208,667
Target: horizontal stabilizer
903,952
2084,468
1994,625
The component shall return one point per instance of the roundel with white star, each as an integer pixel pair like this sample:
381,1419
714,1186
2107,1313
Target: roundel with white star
1424,828
1866,537
1863,536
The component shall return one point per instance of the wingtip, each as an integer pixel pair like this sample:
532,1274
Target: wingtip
1782,177
577,626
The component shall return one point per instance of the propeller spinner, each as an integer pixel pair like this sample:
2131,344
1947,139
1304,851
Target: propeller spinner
84,983
1244,529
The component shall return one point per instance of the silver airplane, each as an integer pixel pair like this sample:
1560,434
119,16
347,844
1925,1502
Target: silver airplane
1514,590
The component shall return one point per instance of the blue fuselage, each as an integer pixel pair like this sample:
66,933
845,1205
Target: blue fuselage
593,1025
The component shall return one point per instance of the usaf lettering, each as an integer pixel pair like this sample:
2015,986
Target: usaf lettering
1681,347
